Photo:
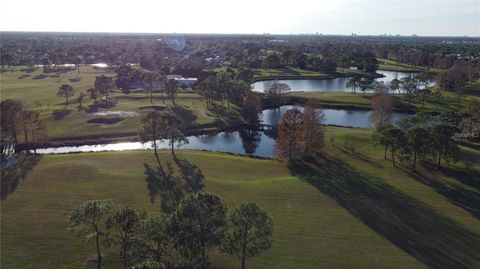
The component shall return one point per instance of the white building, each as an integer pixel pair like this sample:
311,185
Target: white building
186,82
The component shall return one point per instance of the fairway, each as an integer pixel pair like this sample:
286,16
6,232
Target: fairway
344,212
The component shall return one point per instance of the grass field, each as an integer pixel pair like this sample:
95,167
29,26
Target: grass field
346,210
70,121
390,65
286,72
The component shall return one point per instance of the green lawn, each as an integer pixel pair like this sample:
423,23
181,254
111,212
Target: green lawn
285,73
390,65
346,210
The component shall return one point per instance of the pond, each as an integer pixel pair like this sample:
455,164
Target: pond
342,117
259,143
240,142
324,85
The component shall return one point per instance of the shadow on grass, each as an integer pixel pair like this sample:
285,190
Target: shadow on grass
359,156
468,177
170,185
188,117
221,113
414,227
60,114
462,197
12,175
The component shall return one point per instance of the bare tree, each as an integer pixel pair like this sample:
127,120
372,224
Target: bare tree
313,117
289,143
382,105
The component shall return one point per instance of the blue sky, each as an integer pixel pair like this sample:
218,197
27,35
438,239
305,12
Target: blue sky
424,17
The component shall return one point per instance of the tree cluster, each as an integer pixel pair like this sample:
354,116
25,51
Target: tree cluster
180,239
17,122
420,137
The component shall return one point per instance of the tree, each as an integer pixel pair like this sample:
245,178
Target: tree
380,137
93,92
171,88
417,141
151,131
444,146
289,143
365,84
80,98
353,82
424,81
271,61
314,131
395,85
396,139
153,241
10,115
122,226
209,89
196,224
391,138
251,107
277,90
152,81
234,91
249,232
104,85
90,215
409,86
172,129
382,105
245,75
65,91
35,126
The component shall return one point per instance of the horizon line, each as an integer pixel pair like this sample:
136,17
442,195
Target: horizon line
245,34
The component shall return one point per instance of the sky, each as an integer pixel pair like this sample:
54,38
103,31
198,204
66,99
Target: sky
362,17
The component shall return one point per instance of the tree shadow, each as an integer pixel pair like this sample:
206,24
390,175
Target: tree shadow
60,114
228,116
170,185
188,117
462,197
13,174
466,176
359,156
191,174
414,227
163,185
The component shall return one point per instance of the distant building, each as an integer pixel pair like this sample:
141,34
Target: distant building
185,82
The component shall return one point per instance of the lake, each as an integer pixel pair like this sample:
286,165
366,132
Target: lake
342,117
324,85
259,143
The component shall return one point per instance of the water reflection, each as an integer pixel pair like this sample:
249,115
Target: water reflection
250,140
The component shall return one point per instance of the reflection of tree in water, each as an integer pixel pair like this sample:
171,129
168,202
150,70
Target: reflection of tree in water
171,185
272,132
250,140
